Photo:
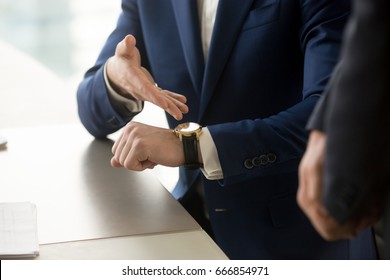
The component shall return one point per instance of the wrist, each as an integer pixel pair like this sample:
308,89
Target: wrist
111,80
188,134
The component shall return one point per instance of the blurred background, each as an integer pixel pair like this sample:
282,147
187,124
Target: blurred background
64,35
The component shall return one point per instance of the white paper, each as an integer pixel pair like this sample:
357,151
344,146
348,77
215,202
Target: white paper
18,230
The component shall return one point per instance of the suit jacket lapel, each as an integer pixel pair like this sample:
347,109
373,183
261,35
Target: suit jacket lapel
187,18
231,14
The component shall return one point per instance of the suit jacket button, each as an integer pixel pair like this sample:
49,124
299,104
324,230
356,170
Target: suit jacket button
256,161
271,157
263,159
113,121
248,164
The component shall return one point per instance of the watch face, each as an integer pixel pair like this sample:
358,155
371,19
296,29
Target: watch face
189,127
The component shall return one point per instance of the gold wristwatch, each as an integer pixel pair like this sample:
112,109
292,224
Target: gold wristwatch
188,134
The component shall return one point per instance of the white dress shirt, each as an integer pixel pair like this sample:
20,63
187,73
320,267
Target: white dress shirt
211,166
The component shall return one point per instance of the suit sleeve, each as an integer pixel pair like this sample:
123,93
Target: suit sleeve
96,111
275,145
357,121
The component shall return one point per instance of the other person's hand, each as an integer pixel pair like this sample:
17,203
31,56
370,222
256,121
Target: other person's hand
309,195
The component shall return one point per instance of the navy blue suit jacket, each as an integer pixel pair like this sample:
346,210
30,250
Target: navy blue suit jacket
268,63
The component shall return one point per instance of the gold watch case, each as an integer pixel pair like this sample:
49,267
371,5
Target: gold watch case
188,129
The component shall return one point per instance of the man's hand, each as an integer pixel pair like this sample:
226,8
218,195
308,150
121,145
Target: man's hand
130,79
142,146
310,193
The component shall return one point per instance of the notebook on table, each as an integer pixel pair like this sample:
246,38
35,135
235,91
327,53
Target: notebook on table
18,230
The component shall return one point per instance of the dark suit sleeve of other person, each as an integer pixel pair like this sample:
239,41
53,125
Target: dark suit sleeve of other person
357,117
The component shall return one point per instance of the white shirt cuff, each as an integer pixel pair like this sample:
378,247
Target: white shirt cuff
133,106
211,166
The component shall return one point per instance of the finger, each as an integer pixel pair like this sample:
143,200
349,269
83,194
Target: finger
152,165
173,106
125,157
178,103
314,191
115,146
114,163
125,46
172,95
154,95
148,165
120,147
176,96
302,188
130,41
166,100
168,105
128,45
136,160
118,143
174,111
332,230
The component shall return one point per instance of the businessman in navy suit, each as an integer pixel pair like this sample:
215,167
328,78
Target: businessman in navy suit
344,176
250,72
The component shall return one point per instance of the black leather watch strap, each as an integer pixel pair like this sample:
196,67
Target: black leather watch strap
190,147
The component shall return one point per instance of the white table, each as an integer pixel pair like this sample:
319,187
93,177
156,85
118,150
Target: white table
88,209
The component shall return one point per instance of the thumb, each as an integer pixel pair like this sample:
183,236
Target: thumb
129,42
114,163
127,47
